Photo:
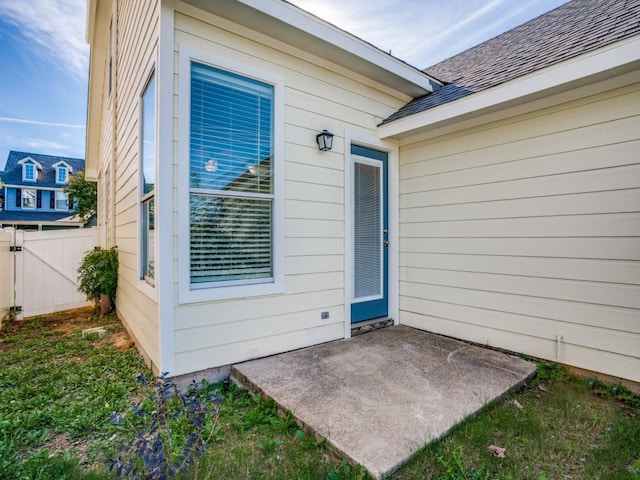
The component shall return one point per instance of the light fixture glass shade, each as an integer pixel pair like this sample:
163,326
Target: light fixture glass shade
325,140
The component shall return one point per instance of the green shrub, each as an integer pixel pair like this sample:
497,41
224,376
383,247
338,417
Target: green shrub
98,273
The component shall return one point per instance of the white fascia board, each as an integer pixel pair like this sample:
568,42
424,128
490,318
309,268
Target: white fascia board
63,163
98,18
294,26
315,26
607,62
30,160
90,20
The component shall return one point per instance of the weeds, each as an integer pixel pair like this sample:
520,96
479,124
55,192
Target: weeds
346,472
619,392
10,315
455,469
309,441
268,446
171,430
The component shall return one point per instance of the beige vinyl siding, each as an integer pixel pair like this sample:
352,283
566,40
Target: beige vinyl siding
105,152
136,39
223,332
524,234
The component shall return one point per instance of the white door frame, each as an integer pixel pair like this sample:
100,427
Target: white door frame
391,148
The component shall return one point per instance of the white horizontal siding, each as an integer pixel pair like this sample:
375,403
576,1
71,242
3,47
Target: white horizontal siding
219,333
518,232
136,30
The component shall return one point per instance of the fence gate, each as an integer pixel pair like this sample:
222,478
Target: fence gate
43,269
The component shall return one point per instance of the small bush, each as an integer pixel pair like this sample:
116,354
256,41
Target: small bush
98,273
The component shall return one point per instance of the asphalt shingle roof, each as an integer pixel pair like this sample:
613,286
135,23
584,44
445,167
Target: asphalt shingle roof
12,174
575,28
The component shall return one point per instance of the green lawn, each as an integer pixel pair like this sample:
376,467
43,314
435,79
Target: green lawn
58,390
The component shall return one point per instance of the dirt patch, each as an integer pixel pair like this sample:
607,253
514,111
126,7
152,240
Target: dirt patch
65,323
69,322
61,443
121,341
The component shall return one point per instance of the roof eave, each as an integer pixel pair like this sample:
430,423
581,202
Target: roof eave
97,24
34,186
294,26
614,60
90,20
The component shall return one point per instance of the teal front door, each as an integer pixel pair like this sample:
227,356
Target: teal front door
369,236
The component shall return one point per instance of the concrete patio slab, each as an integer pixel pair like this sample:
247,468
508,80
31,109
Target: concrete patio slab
380,397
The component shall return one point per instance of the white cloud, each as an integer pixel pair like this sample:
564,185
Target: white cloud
424,32
38,122
46,146
57,29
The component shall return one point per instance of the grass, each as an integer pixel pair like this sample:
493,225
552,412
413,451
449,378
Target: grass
559,427
58,389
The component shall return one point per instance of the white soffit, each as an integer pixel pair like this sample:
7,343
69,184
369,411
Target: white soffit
289,24
605,63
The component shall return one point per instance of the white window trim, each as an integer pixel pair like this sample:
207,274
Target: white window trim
185,293
57,167
147,285
24,172
36,167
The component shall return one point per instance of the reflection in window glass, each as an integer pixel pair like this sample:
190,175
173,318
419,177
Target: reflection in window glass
62,201
29,171
148,167
28,198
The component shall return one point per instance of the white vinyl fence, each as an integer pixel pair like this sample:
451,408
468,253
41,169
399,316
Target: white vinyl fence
40,268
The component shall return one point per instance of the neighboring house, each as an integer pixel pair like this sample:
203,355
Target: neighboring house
34,196
493,197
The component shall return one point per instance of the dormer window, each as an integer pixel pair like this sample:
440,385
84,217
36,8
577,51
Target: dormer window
62,175
29,172
62,170
29,169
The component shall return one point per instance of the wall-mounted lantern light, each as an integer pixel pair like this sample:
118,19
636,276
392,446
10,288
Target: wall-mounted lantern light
325,140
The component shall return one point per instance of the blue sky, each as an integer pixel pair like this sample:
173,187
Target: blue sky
44,58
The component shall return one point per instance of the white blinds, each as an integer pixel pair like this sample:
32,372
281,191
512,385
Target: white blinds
231,173
367,231
230,238
231,131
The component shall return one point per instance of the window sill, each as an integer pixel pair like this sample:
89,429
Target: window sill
213,294
148,289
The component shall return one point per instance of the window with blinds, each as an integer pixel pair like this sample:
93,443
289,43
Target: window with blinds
148,168
367,230
230,178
